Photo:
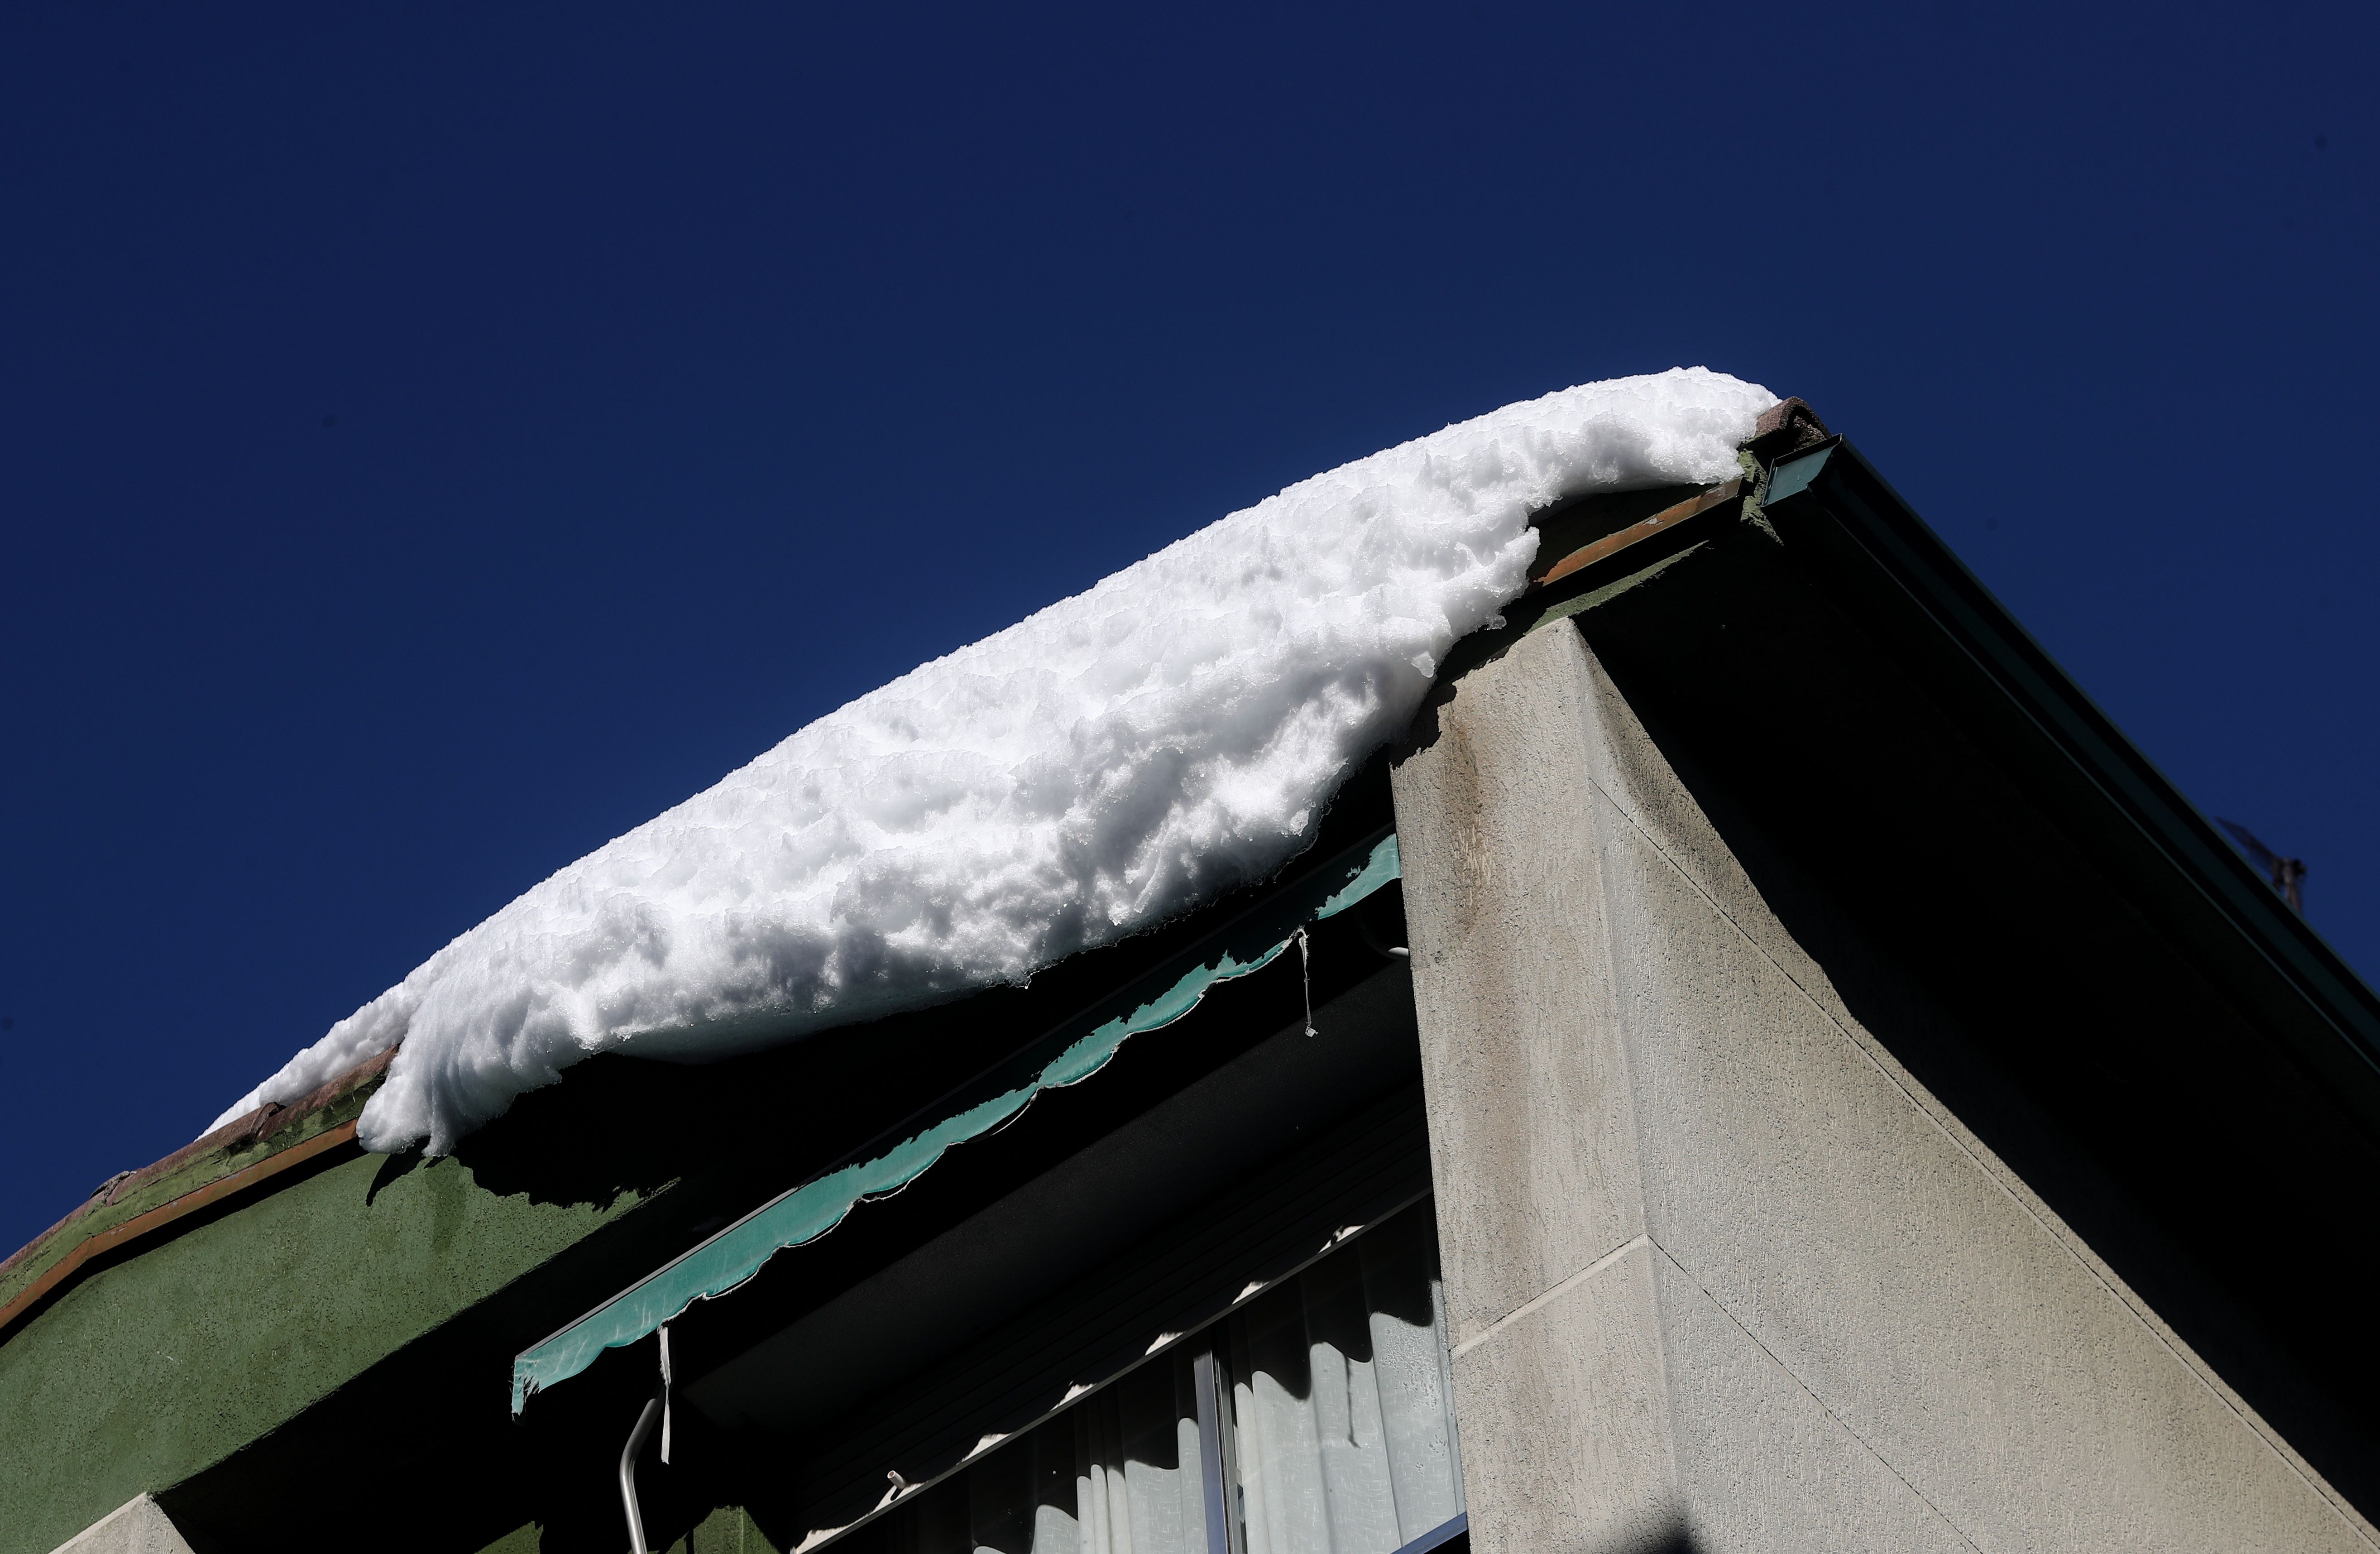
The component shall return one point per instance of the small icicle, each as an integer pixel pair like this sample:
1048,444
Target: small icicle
665,1395
1306,974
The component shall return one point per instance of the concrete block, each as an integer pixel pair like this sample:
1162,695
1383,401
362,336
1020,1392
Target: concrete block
1533,1147
1820,1312
138,1526
1566,1421
1762,1465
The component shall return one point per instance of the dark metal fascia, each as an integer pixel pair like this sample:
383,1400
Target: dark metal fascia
1878,559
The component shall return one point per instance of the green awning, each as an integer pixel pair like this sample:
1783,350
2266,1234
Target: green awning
1068,1055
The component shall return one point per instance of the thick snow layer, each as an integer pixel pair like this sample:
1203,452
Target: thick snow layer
1091,770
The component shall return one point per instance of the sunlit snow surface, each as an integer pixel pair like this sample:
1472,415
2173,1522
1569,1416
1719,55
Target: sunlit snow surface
1095,769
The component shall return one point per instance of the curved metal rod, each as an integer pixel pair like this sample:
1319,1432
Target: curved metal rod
629,1474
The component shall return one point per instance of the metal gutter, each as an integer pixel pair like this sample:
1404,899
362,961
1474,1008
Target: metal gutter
1880,561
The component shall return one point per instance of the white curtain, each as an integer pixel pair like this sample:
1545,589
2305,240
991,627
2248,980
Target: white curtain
1117,1473
1343,1428
1338,1433
1137,1486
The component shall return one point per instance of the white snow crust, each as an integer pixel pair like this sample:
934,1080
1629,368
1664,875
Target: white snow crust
1099,767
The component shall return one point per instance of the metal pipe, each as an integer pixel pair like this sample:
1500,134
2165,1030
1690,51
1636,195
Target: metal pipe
629,1474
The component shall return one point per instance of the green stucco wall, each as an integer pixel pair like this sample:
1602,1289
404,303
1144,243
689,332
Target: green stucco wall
724,1531
728,1530
160,1365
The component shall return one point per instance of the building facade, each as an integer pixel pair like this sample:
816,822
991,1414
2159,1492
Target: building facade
1762,1065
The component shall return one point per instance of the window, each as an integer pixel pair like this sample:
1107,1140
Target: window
1316,1418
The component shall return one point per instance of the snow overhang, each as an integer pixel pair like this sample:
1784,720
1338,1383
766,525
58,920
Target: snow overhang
1068,1055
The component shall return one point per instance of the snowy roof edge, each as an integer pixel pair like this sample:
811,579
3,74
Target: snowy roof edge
1101,767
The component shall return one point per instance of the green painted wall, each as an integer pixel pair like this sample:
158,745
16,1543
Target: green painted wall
725,1531
520,1540
153,1370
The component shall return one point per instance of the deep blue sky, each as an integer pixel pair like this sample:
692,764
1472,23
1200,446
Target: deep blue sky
433,442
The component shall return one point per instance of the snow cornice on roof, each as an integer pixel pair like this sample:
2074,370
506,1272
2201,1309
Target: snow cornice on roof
1102,766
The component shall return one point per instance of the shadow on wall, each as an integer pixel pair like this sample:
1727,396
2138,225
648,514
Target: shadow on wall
1666,1534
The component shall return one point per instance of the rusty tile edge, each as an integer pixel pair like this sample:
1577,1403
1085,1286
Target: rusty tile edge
261,1125
1788,426
164,1214
1644,528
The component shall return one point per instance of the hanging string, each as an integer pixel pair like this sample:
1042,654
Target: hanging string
1305,975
